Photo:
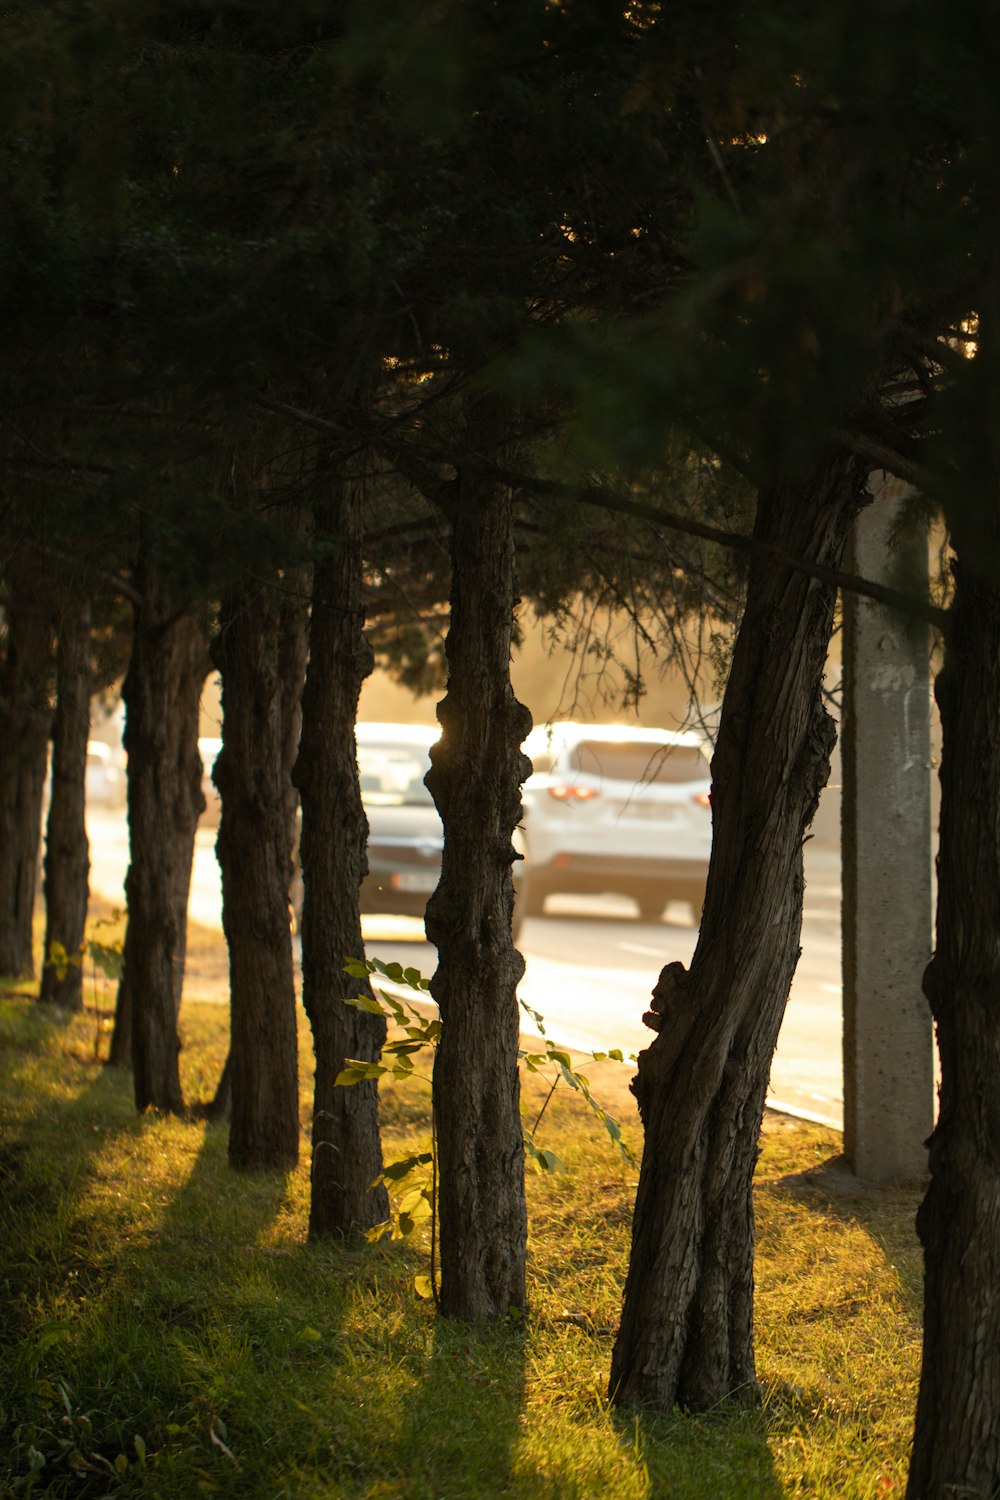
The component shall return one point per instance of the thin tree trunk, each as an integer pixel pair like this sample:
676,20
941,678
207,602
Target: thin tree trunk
162,692
346,1147
686,1335
120,1051
67,851
475,779
255,648
956,1450
25,723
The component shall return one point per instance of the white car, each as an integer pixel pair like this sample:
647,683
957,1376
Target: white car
405,837
610,809
105,784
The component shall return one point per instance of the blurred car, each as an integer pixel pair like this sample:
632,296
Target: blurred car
405,837
104,782
614,810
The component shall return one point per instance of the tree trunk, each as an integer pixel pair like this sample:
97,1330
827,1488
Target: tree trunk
120,1051
475,779
956,1449
259,652
686,1335
25,722
67,851
346,1147
162,693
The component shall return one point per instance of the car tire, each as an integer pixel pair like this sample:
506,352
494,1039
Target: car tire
650,906
532,897
696,901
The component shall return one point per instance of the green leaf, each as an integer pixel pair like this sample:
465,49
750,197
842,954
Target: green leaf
366,1003
357,1072
108,957
405,1225
392,971
397,1170
543,1160
423,1287
415,979
379,1232
397,1009
538,1020
403,1048
416,1203
139,1445
358,968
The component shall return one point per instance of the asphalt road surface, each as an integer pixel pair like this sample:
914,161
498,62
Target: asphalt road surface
591,964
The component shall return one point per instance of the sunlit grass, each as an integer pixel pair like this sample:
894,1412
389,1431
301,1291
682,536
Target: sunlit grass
167,1329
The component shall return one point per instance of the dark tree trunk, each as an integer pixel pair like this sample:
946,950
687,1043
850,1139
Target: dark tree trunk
956,1449
475,778
67,851
25,723
120,1051
346,1147
686,1335
162,693
220,1106
260,652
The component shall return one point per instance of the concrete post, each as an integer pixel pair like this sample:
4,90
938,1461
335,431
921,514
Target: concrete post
886,844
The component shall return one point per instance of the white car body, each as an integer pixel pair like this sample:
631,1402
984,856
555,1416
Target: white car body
105,784
613,809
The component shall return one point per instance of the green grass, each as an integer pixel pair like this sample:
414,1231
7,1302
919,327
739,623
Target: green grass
167,1330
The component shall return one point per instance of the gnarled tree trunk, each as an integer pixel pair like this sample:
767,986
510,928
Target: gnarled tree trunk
956,1447
475,778
686,1335
346,1147
25,722
67,851
162,692
261,654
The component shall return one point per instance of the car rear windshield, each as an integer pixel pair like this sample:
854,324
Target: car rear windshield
393,774
643,764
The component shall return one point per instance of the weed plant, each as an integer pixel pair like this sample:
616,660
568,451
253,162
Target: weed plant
166,1329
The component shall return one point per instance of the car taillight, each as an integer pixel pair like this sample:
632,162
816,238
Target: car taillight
563,793
704,799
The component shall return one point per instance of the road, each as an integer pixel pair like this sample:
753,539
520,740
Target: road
590,964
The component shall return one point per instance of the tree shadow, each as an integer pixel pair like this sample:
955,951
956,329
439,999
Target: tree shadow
100,1263
689,1456
461,1427
885,1211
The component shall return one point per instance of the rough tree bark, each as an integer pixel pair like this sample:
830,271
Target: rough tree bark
25,722
686,1335
956,1449
346,1146
162,692
67,850
260,651
475,777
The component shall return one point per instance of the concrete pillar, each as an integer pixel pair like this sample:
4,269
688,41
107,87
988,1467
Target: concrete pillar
886,850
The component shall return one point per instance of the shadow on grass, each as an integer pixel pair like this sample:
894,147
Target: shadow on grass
885,1211
110,1245
689,1456
461,1425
